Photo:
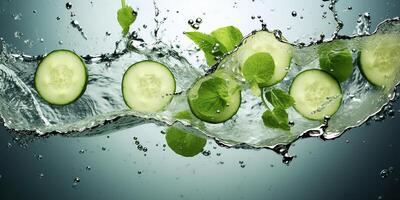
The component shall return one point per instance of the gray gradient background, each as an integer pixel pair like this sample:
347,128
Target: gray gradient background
346,168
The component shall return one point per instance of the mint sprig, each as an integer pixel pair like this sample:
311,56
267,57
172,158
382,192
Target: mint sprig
218,43
278,117
126,17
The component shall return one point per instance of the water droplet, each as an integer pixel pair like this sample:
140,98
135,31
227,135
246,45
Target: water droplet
60,42
199,20
196,26
349,8
384,173
41,40
144,149
18,34
190,22
17,17
68,5
206,153
294,13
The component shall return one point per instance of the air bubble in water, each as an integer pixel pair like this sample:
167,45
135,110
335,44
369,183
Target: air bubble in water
206,153
41,175
88,168
60,42
294,13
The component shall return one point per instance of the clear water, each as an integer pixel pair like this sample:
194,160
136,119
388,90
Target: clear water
102,109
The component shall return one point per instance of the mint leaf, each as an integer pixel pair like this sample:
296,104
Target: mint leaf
209,45
259,68
184,143
337,60
126,17
213,96
279,98
278,118
229,36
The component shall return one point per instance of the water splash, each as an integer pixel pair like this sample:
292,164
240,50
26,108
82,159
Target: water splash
102,110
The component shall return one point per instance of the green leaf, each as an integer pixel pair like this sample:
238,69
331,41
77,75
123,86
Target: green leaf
279,98
126,17
213,96
259,68
183,115
278,118
184,143
208,44
336,59
229,36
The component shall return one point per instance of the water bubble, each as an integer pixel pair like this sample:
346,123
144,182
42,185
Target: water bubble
82,151
9,145
253,17
144,149
60,42
140,147
380,197
103,148
350,8
68,5
88,168
41,40
34,11
41,175
139,172
190,22
108,33
58,18
384,173
39,157
294,13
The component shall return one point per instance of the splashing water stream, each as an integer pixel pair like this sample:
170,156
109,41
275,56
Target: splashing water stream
102,109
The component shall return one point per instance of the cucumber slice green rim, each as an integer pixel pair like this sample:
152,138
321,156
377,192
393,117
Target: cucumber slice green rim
148,86
61,77
215,98
266,42
317,94
379,59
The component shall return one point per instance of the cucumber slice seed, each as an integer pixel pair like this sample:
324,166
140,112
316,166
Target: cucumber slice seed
379,59
61,77
317,94
266,42
233,100
148,86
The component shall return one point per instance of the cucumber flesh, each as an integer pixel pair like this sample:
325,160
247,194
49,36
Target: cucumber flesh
214,115
61,77
266,42
379,59
148,86
316,93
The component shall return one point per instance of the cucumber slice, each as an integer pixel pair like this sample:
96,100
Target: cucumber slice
379,59
316,93
61,77
148,86
266,42
215,98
